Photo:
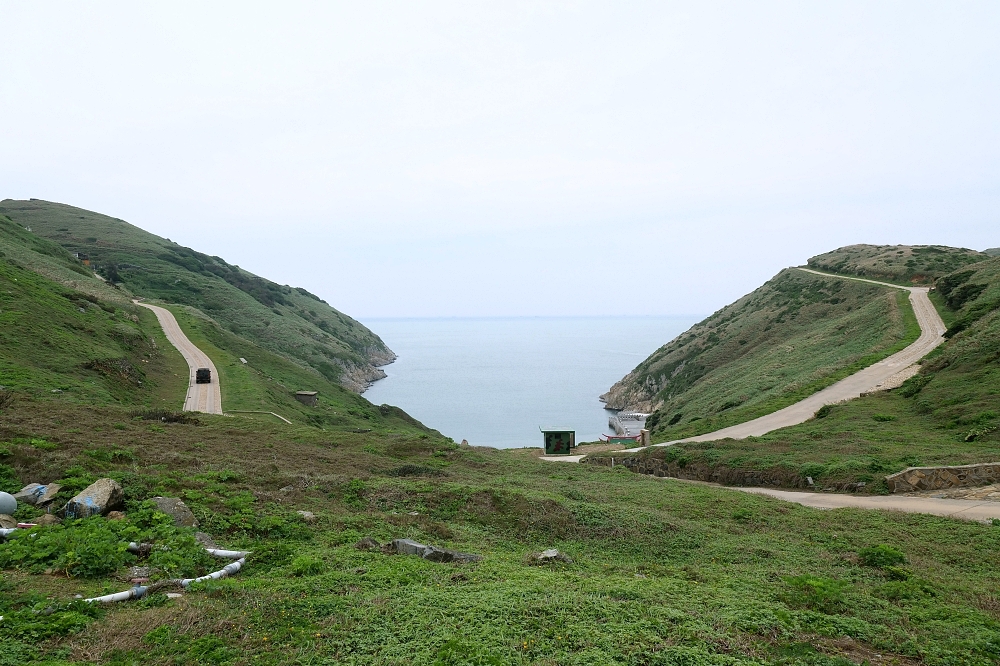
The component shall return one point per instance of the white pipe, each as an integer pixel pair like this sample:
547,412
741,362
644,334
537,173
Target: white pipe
228,554
136,592
227,570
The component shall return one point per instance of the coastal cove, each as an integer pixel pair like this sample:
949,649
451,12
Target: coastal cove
494,381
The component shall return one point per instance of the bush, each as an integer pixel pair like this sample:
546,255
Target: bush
307,566
823,411
87,548
881,556
825,594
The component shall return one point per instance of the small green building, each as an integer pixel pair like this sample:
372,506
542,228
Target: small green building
558,441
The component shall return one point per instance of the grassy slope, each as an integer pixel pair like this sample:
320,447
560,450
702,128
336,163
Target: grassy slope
74,345
80,340
905,264
663,572
287,321
788,339
955,398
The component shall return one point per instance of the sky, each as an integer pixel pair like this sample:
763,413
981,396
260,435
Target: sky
511,159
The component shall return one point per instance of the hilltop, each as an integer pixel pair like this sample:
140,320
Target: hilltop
290,322
909,264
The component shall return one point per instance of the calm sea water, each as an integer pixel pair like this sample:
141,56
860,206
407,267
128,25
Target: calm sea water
495,381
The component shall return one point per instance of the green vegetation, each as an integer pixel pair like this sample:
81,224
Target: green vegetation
949,414
290,322
73,345
663,572
793,336
905,264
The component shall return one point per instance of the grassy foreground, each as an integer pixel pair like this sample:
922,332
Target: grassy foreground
663,572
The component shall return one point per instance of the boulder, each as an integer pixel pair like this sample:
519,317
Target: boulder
435,554
368,543
406,547
549,556
46,519
37,494
307,516
96,499
205,540
176,509
432,553
7,522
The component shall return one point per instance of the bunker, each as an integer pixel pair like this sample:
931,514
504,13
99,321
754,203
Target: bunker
310,398
558,441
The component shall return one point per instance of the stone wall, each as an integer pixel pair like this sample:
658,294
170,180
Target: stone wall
937,478
654,466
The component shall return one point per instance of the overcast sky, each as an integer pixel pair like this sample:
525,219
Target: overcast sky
451,159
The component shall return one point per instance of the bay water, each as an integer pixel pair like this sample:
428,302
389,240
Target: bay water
495,381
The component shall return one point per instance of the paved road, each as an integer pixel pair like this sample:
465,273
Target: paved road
931,331
200,397
936,506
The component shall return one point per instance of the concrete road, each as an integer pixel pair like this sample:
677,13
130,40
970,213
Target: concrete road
931,331
981,510
200,397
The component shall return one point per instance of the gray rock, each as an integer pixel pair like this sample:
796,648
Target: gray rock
205,540
7,522
46,519
435,554
96,499
307,516
432,553
407,547
549,556
368,543
176,509
809,480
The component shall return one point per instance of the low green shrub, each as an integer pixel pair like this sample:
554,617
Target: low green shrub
824,594
305,565
881,556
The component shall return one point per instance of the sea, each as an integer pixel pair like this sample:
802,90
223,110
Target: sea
497,381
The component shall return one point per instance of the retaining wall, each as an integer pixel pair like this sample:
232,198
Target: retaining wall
938,478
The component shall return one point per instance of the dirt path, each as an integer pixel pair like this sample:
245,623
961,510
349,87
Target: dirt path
200,397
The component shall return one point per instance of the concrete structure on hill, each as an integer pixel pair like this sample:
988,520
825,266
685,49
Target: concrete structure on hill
310,398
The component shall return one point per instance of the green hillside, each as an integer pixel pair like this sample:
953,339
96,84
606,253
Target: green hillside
908,264
949,414
288,321
67,336
796,334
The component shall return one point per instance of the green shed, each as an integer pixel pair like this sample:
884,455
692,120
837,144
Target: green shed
558,441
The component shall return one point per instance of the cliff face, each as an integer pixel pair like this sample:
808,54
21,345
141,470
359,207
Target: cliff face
289,321
793,331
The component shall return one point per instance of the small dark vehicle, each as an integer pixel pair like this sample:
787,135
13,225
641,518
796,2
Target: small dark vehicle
202,376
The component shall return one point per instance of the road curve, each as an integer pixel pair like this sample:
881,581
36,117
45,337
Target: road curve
932,329
200,397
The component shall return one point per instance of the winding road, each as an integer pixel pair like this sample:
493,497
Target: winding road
932,329
200,397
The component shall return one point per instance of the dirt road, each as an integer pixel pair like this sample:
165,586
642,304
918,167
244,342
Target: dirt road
200,397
